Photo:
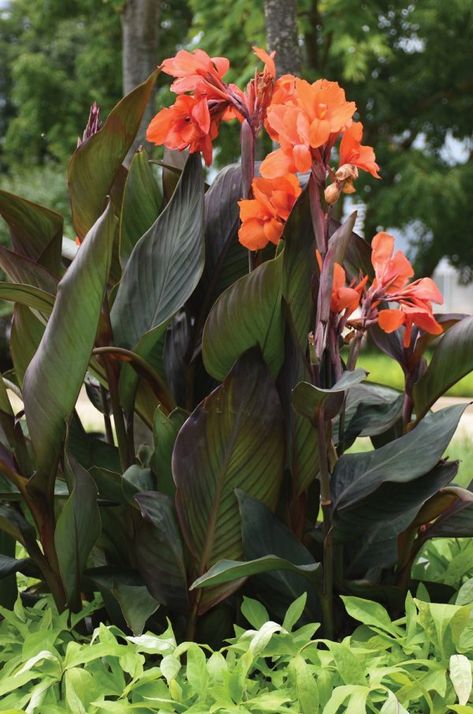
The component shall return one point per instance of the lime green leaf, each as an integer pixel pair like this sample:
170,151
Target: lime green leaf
369,613
460,676
305,684
96,163
247,314
54,377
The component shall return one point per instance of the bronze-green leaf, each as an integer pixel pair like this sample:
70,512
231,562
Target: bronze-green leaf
234,439
54,377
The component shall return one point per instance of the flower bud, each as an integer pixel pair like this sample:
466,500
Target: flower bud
332,193
347,172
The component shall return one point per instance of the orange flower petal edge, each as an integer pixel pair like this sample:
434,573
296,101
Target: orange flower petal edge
263,217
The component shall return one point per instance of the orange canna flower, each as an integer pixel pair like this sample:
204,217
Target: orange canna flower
315,116
196,72
352,151
415,299
187,124
263,217
344,298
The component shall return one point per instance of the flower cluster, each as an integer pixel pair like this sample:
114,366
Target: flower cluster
307,120
204,100
393,272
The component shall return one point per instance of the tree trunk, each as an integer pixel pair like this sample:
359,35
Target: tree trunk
140,34
281,32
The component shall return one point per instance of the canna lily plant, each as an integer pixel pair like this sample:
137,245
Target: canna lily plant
218,330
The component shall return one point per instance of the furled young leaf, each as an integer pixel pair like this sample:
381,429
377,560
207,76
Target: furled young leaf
452,359
299,270
141,204
36,231
337,247
158,548
54,377
234,439
77,529
96,162
247,314
402,460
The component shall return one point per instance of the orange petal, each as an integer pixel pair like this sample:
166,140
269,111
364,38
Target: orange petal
277,163
382,247
267,59
302,158
390,320
251,234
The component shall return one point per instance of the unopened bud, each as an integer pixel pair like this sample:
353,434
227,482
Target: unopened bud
349,187
347,172
332,194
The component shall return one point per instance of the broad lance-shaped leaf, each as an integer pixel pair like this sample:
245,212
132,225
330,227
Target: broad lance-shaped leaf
141,204
96,163
54,377
405,459
226,259
370,529
164,267
26,334
246,315
78,528
307,399
158,549
36,231
370,410
226,571
234,439
265,535
452,359
24,270
27,295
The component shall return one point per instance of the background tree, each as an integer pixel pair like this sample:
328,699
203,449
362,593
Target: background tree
404,63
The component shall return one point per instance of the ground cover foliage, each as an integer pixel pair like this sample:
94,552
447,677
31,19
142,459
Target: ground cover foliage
213,348
420,662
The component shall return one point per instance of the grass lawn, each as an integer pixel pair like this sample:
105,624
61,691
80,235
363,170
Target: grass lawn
384,370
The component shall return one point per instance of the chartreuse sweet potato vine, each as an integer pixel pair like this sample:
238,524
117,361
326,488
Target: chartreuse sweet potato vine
218,330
